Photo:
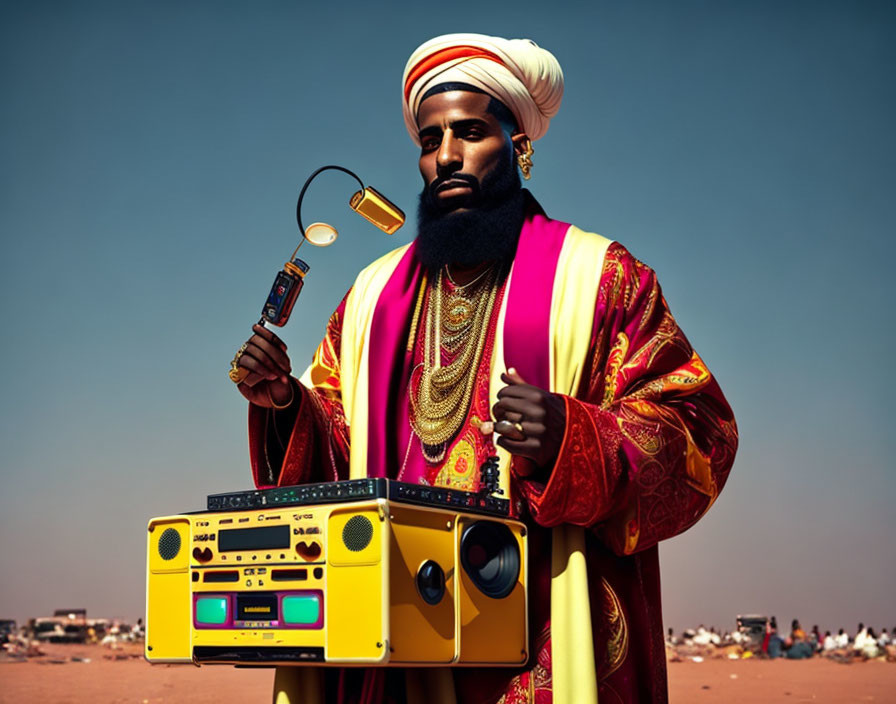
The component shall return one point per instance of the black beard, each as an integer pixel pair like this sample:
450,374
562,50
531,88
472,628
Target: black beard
487,232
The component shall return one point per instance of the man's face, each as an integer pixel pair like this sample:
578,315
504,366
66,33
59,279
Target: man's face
461,144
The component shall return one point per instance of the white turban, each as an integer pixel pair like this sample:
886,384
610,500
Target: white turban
517,72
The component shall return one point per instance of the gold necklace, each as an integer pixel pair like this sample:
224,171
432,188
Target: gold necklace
469,283
443,396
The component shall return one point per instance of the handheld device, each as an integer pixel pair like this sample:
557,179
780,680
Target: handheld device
369,203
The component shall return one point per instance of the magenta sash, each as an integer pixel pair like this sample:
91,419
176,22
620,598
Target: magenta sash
527,323
389,365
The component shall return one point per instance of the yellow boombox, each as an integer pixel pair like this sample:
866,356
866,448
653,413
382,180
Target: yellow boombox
360,572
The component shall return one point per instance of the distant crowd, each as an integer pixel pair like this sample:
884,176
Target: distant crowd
799,645
766,642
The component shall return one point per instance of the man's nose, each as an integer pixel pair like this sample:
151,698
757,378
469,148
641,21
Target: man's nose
450,156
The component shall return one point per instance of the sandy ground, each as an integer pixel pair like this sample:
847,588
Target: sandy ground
794,681
113,677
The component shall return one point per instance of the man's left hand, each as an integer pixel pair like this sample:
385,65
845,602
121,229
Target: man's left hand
540,414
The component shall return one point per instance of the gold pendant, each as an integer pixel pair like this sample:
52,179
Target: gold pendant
459,313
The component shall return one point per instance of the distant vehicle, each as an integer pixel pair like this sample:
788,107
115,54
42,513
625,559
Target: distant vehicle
752,627
71,614
65,626
7,628
75,632
48,630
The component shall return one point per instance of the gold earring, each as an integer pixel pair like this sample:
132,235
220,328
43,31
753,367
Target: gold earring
525,161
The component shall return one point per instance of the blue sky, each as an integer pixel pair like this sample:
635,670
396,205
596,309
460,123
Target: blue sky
150,158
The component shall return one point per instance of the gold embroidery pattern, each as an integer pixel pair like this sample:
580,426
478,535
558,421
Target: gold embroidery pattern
618,278
325,373
618,631
643,435
649,306
615,360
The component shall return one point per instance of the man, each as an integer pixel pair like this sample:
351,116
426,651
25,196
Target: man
500,331
842,639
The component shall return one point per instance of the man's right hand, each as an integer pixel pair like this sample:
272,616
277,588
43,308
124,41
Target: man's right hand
265,358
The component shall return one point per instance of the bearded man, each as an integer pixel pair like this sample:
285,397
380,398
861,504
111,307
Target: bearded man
501,331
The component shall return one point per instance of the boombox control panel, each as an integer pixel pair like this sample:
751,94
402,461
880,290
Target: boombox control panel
359,489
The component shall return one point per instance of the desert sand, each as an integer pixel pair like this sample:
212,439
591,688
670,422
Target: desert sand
104,676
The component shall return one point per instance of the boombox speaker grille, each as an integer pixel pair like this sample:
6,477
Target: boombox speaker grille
169,544
357,533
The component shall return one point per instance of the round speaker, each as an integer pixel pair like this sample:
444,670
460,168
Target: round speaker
357,533
431,582
490,556
169,544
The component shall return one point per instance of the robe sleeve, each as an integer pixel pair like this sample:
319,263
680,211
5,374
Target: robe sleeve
649,439
308,442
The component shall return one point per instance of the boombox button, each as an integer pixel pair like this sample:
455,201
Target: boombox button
248,582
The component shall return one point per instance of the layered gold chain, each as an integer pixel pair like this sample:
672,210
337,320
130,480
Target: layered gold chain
459,321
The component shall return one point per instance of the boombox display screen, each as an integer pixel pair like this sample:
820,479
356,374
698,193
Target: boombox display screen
368,572
265,538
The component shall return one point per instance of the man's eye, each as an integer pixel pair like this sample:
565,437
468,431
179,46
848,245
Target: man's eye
427,145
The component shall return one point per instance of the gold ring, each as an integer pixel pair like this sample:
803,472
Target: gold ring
237,373
519,428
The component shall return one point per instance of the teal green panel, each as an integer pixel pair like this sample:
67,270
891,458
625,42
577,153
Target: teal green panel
211,610
301,609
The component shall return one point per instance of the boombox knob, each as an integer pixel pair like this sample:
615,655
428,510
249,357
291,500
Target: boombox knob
202,554
308,551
